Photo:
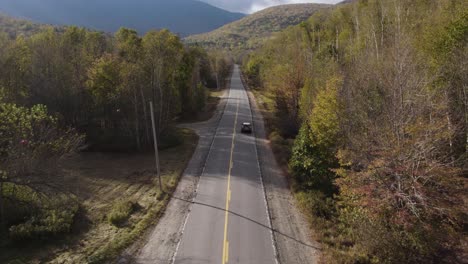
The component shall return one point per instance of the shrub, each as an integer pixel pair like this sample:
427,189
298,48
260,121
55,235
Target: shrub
311,164
120,212
47,223
169,139
281,147
316,203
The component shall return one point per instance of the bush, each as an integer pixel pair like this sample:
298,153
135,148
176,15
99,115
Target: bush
49,222
311,165
120,212
113,248
170,138
281,147
316,203
276,138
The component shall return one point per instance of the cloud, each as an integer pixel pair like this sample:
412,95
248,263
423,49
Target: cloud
250,6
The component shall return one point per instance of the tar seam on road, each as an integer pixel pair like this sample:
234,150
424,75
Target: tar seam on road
228,192
198,183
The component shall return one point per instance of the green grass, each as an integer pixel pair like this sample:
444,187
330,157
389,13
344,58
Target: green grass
120,212
216,93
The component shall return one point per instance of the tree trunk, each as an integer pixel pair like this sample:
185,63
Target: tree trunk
2,209
137,123
375,41
382,29
319,42
161,106
145,115
465,103
217,73
449,127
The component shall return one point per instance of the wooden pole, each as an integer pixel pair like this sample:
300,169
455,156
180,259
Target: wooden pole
156,153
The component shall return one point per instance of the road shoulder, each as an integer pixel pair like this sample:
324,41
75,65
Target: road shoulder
291,231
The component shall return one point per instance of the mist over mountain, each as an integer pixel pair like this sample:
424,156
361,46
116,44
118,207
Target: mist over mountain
185,17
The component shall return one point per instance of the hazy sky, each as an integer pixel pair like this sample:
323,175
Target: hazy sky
250,6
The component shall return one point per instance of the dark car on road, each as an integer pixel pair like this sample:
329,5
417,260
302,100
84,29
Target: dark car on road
246,128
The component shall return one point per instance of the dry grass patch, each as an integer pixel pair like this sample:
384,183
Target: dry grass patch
120,188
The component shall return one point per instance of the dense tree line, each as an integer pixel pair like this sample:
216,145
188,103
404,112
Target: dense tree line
14,27
62,88
101,84
375,95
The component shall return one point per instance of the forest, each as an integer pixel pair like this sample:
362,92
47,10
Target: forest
71,89
369,105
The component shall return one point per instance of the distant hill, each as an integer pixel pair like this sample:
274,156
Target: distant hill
251,31
15,27
185,17
347,2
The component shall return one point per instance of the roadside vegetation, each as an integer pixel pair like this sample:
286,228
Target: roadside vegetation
76,171
118,198
374,96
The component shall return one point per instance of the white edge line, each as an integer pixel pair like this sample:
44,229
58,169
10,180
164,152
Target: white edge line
273,240
181,231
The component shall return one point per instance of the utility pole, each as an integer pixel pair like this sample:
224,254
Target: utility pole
156,153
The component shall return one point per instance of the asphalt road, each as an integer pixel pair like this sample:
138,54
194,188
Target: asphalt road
228,222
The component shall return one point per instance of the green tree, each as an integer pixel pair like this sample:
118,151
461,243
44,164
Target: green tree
129,46
15,76
388,136
162,54
31,146
104,83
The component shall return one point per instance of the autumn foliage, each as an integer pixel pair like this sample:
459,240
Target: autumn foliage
381,159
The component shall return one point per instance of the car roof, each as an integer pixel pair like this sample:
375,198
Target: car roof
246,124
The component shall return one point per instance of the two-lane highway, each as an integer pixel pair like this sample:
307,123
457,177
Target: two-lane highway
228,222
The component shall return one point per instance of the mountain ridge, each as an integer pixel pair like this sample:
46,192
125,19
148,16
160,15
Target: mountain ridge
185,17
250,31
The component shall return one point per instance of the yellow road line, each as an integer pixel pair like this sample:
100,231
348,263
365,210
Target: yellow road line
227,251
228,193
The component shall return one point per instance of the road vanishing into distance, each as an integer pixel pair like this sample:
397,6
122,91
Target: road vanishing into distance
228,221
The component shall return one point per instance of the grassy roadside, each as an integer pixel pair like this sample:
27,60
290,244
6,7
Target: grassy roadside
281,147
105,183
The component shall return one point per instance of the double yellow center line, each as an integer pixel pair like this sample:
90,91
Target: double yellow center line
228,192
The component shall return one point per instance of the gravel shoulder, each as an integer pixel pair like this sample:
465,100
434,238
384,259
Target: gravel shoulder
292,234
